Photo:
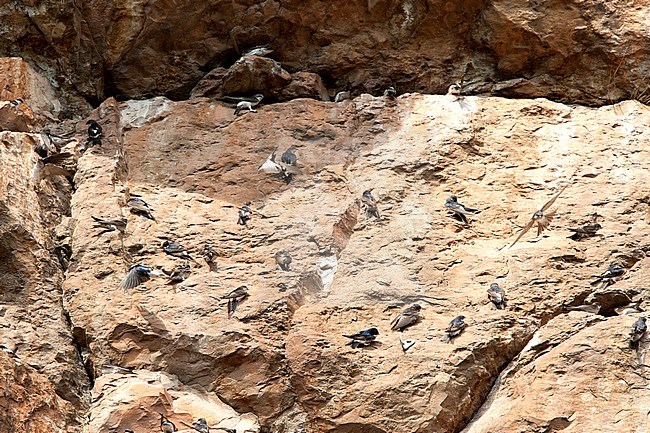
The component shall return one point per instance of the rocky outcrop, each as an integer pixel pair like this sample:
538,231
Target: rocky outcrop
591,52
279,362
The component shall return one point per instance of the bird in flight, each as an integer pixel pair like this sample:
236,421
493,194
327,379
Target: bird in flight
542,218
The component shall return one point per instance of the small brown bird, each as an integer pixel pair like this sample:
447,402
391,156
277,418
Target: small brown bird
406,318
48,166
235,298
497,296
283,259
584,231
179,274
109,225
541,218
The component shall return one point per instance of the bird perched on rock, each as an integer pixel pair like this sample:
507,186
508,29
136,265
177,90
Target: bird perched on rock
235,298
584,231
258,51
128,430
406,318
456,327
178,274
370,204
342,96
201,426
166,426
631,308
137,275
248,105
283,259
48,165
8,351
109,225
636,333
289,157
285,171
175,249
16,102
140,207
209,255
542,218
63,254
459,211
454,89
363,338
390,93
94,133
497,296
244,214
610,276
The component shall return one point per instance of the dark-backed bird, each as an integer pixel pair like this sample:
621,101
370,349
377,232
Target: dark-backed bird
201,426
283,259
370,204
235,298
137,275
459,211
362,338
497,296
542,218
610,276
248,105
289,157
584,231
390,93
166,426
456,327
342,96
109,225
16,102
63,254
244,214
128,430
636,333
175,249
94,132
406,318
140,207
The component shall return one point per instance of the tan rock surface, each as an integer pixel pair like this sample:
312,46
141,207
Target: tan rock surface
28,403
281,356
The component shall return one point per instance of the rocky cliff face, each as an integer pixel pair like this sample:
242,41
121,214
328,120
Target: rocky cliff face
80,354
588,51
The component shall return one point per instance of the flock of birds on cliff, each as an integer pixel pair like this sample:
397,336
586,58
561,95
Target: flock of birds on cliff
285,169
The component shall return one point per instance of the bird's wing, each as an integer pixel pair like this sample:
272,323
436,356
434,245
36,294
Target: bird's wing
56,158
551,201
523,231
131,280
55,170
